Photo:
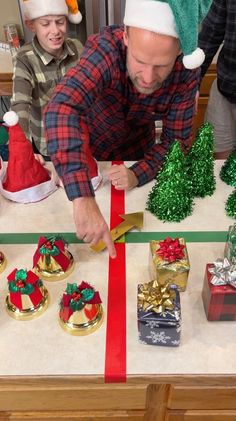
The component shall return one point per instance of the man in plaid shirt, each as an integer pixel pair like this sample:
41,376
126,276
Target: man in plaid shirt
125,80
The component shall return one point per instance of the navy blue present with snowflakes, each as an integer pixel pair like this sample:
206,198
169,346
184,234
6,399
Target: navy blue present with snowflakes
159,314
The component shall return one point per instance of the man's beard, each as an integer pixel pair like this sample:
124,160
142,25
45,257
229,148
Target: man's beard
140,89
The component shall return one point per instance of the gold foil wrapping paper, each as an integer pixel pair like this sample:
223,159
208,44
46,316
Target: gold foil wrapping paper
164,271
52,271
29,311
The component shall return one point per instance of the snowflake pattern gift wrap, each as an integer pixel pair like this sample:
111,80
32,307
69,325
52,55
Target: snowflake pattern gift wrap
219,291
159,314
169,261
230,245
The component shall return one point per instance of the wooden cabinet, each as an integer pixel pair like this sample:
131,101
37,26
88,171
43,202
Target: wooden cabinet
71,399
199,403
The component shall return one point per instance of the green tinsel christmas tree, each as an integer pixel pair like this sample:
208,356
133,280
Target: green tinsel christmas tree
230,206
200,163
228,170
170,198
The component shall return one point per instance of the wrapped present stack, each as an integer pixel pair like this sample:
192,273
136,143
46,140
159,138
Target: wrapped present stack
27,297
81,311
52,261
219,291
169,261
219,286
159,314
3,262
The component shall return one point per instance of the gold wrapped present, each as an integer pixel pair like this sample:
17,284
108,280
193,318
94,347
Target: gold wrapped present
169,261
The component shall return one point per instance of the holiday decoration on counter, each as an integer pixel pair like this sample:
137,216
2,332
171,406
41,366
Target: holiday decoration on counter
52,261
130,220
168,260
25,180
3,262
228,170
230,245
81,311
27,297
230,206
219,291
170,198
200,163
159,314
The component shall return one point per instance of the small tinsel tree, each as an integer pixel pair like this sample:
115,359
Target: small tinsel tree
228,170
170,198
230,206
200,163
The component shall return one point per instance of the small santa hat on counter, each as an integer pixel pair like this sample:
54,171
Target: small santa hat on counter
95,176
25,179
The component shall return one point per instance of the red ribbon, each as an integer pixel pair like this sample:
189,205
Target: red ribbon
35,297
61,258
171,250
115,357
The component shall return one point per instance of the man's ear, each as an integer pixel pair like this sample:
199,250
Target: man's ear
30,25
126,36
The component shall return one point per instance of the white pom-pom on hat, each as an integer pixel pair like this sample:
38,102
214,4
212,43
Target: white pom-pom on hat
10,118
191,61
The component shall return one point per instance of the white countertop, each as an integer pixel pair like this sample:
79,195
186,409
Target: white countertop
41,347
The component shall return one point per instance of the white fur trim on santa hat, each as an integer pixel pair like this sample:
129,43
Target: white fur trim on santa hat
34,9
30,195
151,15
96,181
194,60
10,118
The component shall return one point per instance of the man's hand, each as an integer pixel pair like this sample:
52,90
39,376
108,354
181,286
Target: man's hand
90,224
122,178
39,158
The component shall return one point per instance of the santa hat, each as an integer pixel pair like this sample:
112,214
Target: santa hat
176,18
25,180
37,8
95,176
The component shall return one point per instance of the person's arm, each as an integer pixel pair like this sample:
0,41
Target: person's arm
22,92
23,84
212,32
64,121
177,124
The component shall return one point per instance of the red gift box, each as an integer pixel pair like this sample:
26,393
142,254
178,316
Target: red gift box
219,300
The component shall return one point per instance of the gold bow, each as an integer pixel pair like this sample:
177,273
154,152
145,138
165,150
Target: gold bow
155,297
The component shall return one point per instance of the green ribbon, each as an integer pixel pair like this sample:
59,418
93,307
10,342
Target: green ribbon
21,275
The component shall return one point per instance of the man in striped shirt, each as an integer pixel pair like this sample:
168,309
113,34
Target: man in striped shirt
125,80
39,66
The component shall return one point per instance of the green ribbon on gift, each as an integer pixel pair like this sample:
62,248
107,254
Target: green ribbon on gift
79,298
19,284
156,297
232,241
